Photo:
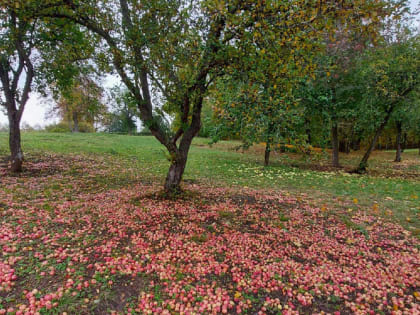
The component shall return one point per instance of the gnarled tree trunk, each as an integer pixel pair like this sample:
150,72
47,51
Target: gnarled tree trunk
398,142
174,176
16,155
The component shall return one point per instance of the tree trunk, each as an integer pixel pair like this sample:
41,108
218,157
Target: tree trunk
363,163
174,177
404,142
267,153
419,147
308,131
335,144
14,144
398,142
356,144
75,122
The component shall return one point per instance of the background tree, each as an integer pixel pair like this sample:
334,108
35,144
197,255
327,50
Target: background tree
29,48
254,100
330,92
405,123
81,102
122,118
388,77
257,114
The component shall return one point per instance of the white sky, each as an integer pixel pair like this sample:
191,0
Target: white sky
36,107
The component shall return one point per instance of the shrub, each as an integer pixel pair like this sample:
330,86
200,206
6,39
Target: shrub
58,127
64,127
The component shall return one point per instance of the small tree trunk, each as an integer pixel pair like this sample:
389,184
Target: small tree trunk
308,130
404,142
75,122
419,147
267,153
174,177
335,145
398,142
363,163
356,144
14,144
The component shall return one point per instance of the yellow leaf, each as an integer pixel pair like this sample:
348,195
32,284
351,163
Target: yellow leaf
297,244
350,241
355,201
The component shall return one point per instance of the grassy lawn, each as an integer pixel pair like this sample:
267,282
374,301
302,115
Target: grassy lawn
85,230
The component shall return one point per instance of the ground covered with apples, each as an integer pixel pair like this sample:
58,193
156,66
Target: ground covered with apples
88,236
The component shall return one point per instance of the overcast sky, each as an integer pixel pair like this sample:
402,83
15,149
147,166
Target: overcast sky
37,107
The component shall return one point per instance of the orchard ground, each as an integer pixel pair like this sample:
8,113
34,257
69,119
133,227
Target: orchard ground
85,230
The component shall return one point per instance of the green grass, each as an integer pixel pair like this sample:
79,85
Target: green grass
221,165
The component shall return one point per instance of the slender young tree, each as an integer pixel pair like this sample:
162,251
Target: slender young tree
398,125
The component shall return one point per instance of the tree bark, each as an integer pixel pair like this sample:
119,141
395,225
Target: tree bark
308,131
356,144
267,153
398,142
75,122
403,142
16,156
363,163
335,144
174,176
